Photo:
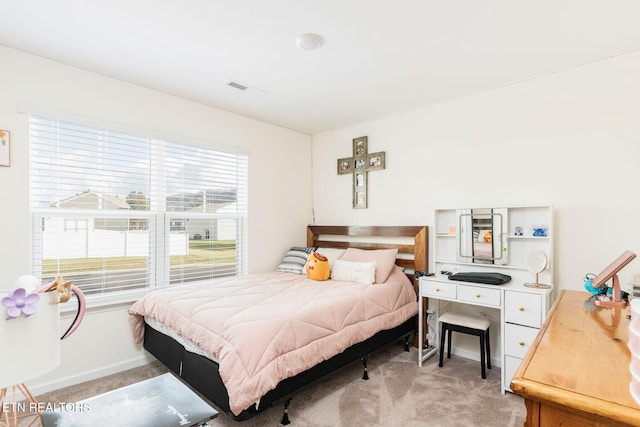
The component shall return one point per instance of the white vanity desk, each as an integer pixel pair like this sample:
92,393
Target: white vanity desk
499,240
522,312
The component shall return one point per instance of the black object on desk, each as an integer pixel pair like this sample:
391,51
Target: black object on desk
481,277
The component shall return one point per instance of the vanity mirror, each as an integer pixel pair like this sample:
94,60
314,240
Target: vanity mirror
495,237
482,236
538,261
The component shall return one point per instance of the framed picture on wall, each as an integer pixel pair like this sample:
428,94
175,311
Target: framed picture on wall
5,148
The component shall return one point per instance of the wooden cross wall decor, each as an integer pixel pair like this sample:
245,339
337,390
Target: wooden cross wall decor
359,165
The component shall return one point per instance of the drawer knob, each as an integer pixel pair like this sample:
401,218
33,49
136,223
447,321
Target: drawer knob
521,343
477,295
521,308
437,289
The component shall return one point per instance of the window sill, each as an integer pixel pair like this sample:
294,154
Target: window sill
99,303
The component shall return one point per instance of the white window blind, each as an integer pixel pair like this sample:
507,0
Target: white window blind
115,212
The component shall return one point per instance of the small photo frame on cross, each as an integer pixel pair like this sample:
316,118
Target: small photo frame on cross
345,165
360,189
375,161
360,199
360,146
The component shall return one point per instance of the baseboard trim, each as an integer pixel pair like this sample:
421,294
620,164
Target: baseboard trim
497,362
40,388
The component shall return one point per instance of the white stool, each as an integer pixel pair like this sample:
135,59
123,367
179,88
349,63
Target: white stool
464,323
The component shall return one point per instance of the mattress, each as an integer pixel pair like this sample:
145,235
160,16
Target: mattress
187,344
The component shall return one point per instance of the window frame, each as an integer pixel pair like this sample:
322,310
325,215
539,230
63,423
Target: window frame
158,218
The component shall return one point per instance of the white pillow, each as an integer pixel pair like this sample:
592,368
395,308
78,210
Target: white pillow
361,272
332,254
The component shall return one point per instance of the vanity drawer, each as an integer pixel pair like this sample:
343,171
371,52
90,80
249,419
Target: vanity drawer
511,367
523,308
518,339
437,289
479,295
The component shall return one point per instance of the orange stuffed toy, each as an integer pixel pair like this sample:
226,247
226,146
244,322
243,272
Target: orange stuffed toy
317,267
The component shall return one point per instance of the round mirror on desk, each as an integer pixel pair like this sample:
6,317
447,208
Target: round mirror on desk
536,263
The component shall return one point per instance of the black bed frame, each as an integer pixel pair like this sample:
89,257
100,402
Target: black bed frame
202,374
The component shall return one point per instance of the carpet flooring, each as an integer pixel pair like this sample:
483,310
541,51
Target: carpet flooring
398,393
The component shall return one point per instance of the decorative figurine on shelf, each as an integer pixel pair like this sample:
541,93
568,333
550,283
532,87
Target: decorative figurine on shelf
539,230
518,231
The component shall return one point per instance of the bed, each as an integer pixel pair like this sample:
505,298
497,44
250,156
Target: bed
203,332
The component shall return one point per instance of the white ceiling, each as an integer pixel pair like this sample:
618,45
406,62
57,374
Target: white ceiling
379,57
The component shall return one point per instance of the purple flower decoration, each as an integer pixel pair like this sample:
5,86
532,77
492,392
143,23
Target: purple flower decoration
17,302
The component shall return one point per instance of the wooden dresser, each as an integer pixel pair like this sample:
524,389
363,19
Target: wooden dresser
576,373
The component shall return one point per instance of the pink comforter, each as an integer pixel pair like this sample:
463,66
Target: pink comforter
268,327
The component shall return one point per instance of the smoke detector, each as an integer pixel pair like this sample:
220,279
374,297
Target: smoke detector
309,41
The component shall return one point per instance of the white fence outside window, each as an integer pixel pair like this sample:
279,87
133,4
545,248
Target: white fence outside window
106,243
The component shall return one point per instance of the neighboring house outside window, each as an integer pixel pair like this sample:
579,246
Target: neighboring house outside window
117,212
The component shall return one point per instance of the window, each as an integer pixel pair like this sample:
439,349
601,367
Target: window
116,212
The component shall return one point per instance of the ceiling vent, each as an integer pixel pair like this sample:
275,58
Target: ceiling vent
237,85
246,88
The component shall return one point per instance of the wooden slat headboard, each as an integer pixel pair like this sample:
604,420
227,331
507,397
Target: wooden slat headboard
411,256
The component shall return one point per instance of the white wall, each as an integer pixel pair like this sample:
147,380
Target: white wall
103,343
570,139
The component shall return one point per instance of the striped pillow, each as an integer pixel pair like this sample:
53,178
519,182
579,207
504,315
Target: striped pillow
295,259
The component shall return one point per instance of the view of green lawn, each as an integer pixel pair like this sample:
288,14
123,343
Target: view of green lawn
200,252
